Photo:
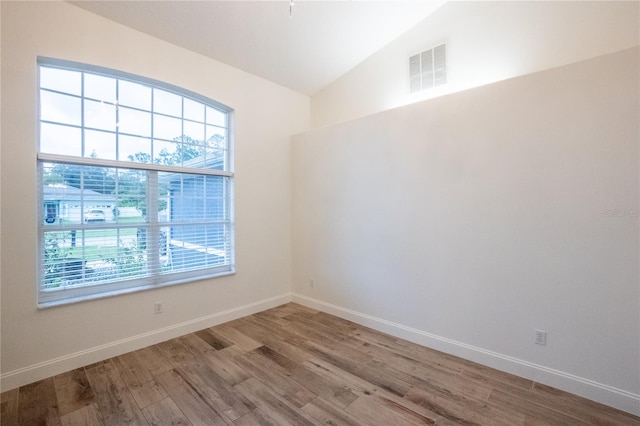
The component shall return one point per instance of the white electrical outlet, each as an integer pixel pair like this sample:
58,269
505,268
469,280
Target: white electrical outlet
312,283
157,308
541,337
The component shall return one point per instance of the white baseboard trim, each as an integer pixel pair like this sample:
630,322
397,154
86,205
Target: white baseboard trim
608,395
42,370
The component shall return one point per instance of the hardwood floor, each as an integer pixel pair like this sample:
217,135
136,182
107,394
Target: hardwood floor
294,366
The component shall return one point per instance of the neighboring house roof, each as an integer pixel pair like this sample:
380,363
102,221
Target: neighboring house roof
62,192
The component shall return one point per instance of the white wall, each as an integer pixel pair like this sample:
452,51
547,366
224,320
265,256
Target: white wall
36,344
486,42
467,221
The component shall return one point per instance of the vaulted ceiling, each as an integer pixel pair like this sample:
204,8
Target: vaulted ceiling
304,50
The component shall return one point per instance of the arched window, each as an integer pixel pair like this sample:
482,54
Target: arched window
144,170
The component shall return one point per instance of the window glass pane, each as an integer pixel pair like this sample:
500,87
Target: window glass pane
215,158
194,197
60,108
63,140
132,195
216,117
193,110
131,148
81,258
194,247
134,95
99,115
98,184
191,153
99,144
61,80
166,127
100,87
216,137
166,153
192,156
134,122
194,131
167,103
76,189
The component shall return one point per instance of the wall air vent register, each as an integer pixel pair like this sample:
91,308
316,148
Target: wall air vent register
428,69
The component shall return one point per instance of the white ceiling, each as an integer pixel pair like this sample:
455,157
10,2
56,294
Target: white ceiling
305,52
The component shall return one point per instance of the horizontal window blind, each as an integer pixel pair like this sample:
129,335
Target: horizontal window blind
136,184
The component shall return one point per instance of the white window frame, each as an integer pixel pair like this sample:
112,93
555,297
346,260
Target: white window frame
153,278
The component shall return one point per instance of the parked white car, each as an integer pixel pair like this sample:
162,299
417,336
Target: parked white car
94,215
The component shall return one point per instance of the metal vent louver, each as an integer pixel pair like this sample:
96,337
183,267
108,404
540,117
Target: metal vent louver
428,69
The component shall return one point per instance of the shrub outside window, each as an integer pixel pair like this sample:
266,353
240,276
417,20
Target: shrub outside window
136,184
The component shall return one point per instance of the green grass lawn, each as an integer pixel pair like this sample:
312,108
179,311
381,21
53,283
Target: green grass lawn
93,253
101,233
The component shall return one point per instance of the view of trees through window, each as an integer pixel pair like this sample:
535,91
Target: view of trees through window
136,184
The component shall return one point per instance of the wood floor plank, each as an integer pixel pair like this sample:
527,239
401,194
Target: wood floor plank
328,414
292,308
368,391
114,401
85,416
139,380
270,318
154,360
508,402
165,413
147,393
374,337
303,325
345,327
266,330
9,412
274,406
384,377
341,356
411,357
431,356
581,408
38,404
459,409
455,386
9,395
73,391
372,413
336,393
273,356
295,351
177,354
424,375
271,374
132,369
284,342
213,339
97,364
191,402
220,361
217,393
238,338
255,418
495,378
211,387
